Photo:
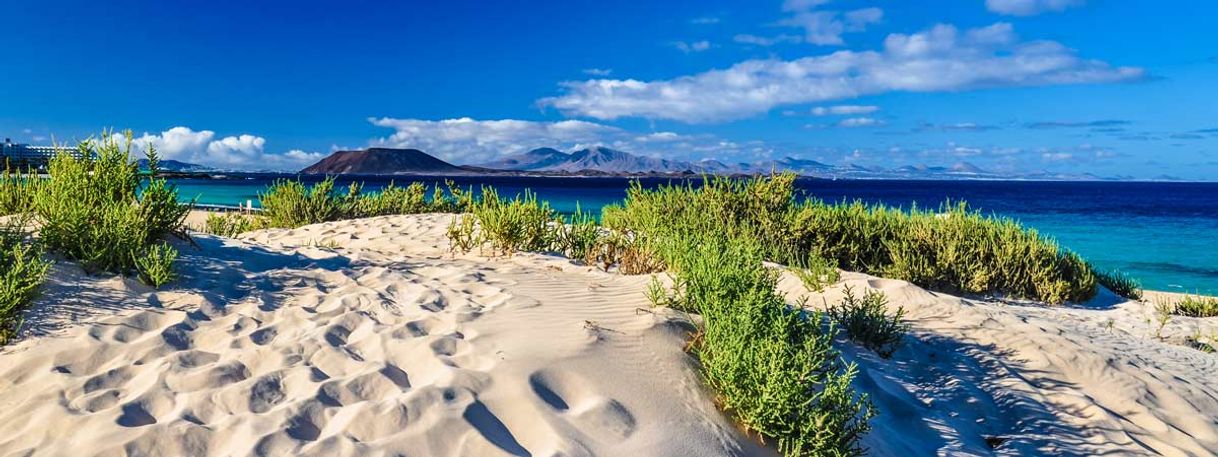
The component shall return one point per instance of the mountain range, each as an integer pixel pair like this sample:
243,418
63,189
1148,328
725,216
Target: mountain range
603,161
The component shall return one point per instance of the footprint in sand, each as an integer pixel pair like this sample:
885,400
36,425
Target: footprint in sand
603,419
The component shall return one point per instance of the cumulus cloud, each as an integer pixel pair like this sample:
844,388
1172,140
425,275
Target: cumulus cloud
598,71
844,110
237,152
466,140
942,58
704,20
1030,7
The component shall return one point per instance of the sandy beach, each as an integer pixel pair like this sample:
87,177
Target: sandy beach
368,337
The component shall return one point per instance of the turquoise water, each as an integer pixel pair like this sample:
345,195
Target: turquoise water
1165,234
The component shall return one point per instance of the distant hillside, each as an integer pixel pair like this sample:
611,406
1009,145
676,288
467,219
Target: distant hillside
174,165
536,159
598,159
603,161
382,161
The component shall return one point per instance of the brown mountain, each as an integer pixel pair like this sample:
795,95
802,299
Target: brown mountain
382,161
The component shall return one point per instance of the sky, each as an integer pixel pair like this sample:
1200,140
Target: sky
1110,87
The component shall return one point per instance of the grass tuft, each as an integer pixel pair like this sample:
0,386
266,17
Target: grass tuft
22,270
155,265
1120,283
1197,306
866,321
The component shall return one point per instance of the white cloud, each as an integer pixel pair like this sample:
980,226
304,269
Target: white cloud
705,20
942,58
467,140
598,71
755,40
237,152
824,27
1030,7
696,46
827,27
856,122
845,110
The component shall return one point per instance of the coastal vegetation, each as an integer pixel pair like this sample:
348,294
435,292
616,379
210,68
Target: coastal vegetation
291,203
17,192
866,321
22,270
1120,283
1196,306
95,209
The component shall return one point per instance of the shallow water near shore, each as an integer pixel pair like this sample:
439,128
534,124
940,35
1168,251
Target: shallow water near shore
1165,234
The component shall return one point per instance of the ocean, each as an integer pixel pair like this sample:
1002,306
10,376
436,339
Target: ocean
1163,233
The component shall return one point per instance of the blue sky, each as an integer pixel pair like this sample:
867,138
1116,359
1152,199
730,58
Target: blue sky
1118,88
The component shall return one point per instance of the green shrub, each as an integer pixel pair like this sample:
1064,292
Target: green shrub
232,224
291,204
1120,283
22,271
97,210
866,321
954,249
816,272
520,224
773,368
462,233
1197,306
411,199
579,236
17,192
155,265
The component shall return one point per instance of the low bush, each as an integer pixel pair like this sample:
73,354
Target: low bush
816,272
22,271
463,233
231,224
17,192
1120,283
392,199
155,265
97,210
578,237
772,367
1197,306
519,224
291,203
954,249
866,321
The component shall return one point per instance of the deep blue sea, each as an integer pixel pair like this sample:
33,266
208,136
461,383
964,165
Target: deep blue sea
1165,234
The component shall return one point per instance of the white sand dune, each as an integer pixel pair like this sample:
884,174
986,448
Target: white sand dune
388,345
